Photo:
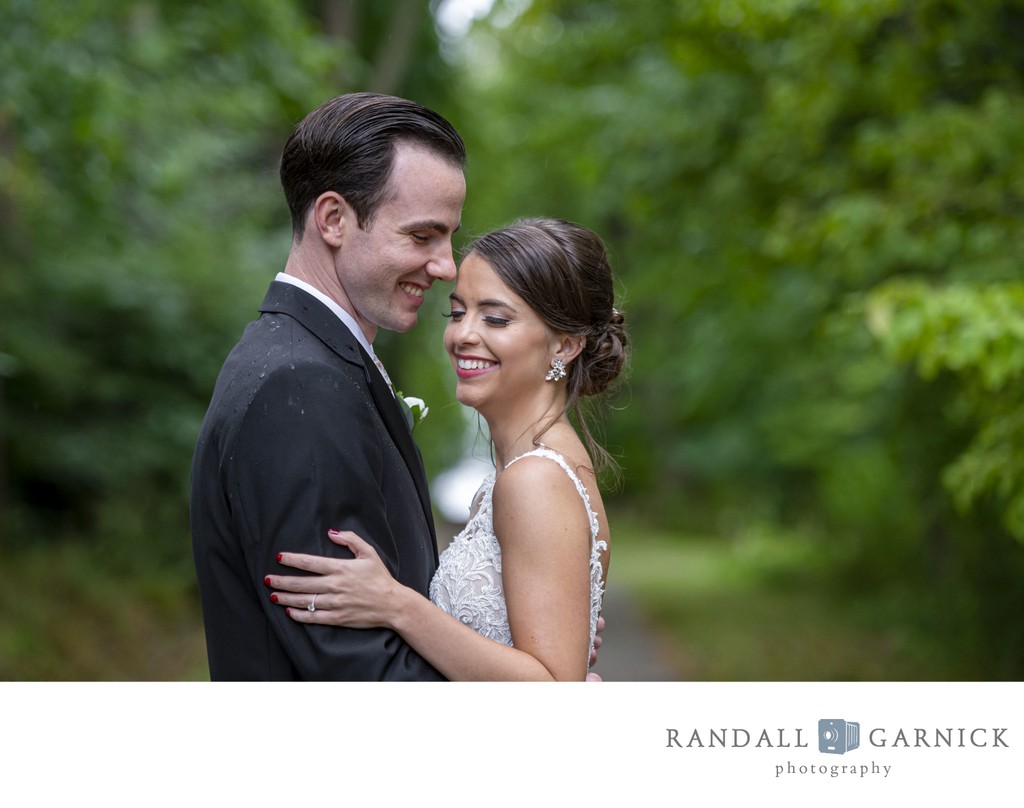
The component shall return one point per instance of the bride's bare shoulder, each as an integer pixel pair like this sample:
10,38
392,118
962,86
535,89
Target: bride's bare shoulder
537,488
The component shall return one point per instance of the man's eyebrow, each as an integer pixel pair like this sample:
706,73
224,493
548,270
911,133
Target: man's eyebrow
433,224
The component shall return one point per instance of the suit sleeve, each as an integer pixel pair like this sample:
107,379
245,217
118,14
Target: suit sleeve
309,456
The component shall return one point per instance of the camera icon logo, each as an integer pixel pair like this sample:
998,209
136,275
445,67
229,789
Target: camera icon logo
837,737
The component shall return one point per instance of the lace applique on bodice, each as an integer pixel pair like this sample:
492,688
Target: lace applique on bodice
468,582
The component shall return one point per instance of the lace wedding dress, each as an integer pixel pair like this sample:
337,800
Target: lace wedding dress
468,583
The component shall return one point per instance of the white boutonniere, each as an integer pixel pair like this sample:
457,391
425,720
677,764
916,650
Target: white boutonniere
416,408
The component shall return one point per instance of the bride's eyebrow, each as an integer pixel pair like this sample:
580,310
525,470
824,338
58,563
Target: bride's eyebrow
497,304
487,303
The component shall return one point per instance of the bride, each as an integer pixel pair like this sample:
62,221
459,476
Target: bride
517,595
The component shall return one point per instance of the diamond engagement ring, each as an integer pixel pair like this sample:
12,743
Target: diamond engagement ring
312,604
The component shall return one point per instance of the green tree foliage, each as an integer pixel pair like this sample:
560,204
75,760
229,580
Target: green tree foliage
768,175
975,332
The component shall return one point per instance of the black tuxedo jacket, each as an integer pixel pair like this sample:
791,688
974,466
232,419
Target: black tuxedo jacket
303,435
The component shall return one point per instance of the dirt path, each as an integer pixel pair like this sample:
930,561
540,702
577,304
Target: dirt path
632,650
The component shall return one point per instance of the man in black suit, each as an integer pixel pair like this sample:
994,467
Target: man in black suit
304,432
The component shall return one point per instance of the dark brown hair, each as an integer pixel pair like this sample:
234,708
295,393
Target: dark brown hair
347,145
562,271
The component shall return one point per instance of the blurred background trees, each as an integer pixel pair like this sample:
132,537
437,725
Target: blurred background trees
814,209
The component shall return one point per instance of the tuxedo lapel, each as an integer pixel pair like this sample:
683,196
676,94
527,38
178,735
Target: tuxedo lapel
399,428
284,298
325,325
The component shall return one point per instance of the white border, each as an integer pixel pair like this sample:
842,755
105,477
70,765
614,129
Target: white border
288,744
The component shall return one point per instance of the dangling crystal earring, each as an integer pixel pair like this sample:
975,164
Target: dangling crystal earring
557,370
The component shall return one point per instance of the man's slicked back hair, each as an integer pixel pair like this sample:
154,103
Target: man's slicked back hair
347,145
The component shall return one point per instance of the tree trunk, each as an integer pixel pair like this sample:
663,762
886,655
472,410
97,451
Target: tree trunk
395,53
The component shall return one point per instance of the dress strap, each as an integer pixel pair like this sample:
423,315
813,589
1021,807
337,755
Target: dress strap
551,454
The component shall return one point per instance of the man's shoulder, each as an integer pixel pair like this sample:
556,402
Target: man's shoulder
276,356
279,365
287,394
279,337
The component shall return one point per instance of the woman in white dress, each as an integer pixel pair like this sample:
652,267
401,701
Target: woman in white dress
533,331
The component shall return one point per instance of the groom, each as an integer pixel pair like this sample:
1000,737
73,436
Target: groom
304,432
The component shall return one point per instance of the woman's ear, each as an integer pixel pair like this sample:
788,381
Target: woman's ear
330,214
569,347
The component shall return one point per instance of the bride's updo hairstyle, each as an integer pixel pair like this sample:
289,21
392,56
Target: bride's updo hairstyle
561,270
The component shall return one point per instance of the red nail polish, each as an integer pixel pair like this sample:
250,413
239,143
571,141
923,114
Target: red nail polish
278,558
273,598
288,612
266,580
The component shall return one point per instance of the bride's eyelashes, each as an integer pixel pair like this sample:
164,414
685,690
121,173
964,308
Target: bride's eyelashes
490,319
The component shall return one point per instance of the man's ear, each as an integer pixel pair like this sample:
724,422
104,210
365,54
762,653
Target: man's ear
330,216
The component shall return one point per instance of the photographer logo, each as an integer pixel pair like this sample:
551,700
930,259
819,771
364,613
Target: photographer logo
837,737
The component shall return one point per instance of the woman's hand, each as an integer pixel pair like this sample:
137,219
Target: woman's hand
598,640
355,592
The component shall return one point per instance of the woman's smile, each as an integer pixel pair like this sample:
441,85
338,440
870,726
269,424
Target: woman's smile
469,367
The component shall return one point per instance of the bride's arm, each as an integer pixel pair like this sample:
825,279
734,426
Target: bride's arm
545,571
544,532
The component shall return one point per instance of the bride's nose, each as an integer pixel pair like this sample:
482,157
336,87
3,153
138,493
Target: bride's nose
462,332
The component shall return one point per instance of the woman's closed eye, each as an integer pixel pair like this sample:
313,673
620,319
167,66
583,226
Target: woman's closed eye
498,322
